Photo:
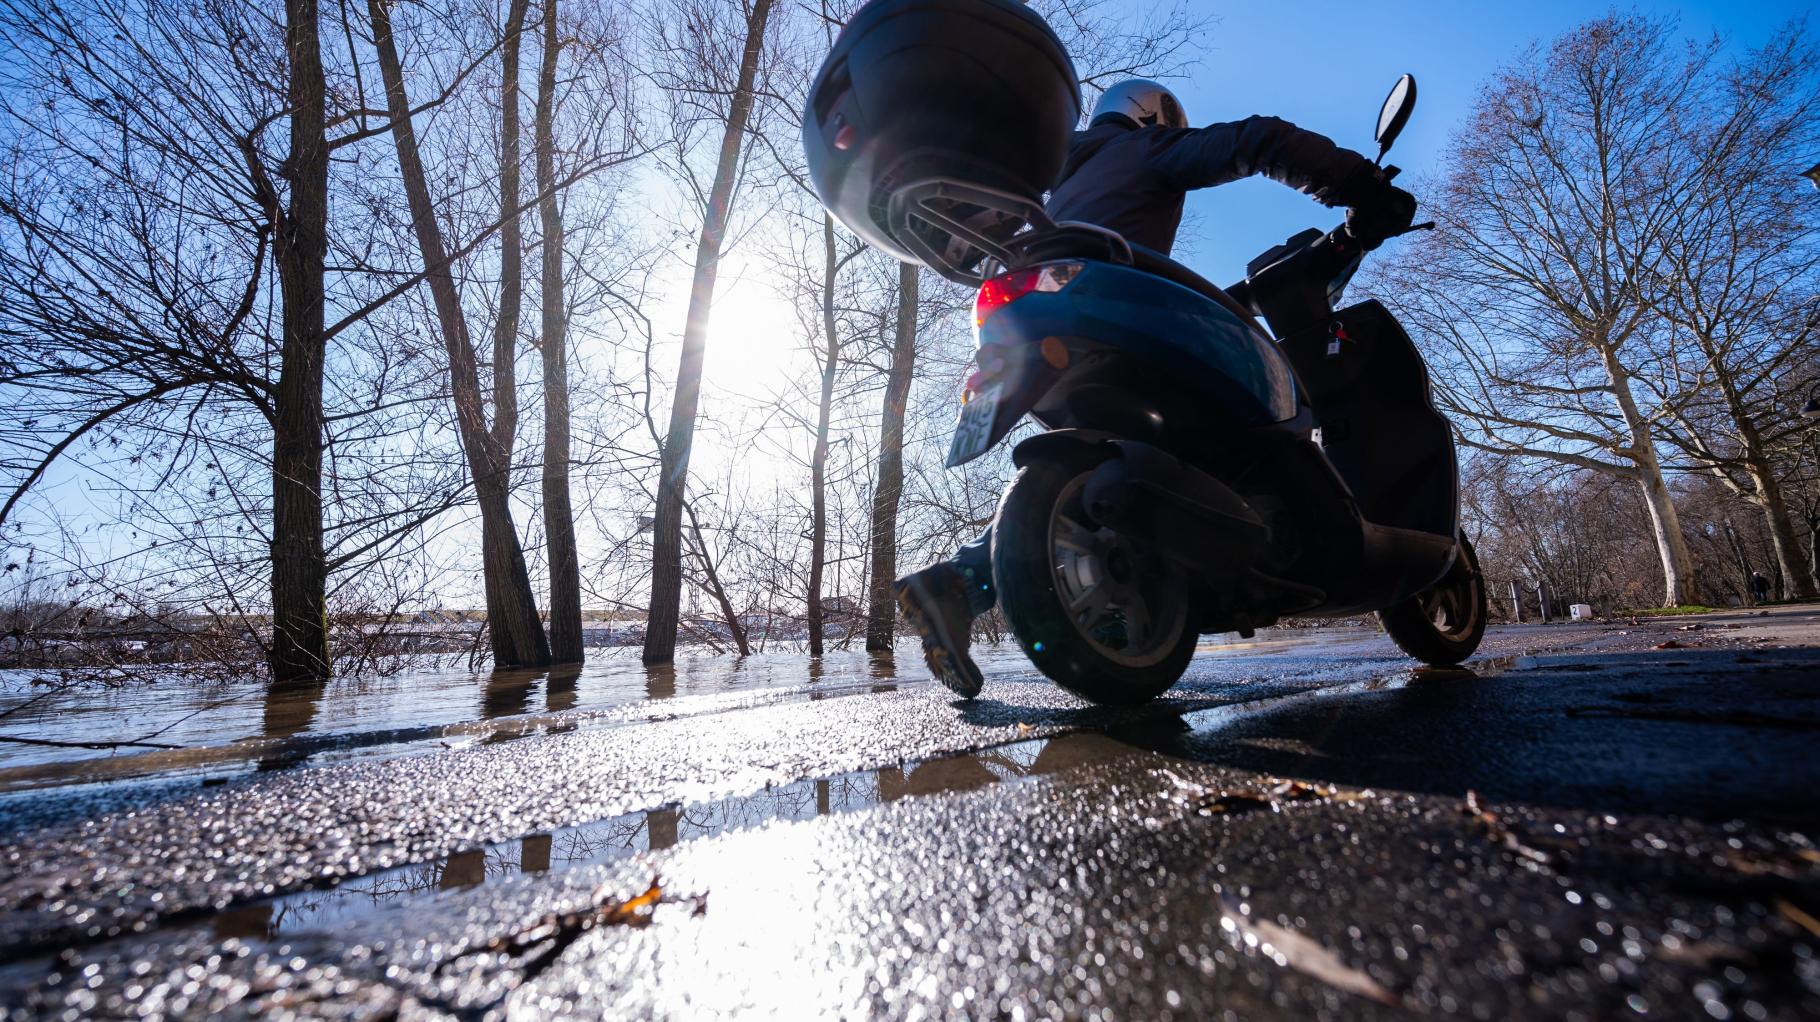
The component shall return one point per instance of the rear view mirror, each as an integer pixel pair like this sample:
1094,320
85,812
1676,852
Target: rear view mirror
1397,107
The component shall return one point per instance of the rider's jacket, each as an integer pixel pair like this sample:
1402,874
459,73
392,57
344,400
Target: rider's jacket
1133,179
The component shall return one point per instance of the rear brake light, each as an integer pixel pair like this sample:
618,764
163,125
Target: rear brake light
1006,288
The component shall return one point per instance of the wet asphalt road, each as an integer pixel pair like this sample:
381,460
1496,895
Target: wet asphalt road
1289,835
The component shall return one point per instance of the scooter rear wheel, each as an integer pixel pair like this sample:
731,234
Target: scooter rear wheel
1102,614
1442,625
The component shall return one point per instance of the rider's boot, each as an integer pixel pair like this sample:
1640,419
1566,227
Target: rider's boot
935,603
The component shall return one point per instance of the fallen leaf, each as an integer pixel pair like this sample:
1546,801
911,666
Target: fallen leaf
1671,644
1024,729
1794,914
1496,829
1304,954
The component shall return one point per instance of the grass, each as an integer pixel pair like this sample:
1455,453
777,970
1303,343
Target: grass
1686,608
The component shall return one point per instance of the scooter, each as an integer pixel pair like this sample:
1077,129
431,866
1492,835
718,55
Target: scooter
1196,472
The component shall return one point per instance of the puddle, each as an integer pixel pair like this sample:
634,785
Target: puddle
347,906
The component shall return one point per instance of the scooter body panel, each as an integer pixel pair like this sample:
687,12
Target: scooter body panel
1176,338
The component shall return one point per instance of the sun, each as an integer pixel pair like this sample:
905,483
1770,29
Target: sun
755,337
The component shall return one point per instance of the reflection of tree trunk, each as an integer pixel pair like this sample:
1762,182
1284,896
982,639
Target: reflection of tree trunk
818,461
660,827
559,690
463,869
673,470
558,518
290,706
660,681
517,633
881,610
300,645
821,798
507,693
534,854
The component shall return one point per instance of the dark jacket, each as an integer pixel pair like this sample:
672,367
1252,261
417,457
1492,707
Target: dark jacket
1133,179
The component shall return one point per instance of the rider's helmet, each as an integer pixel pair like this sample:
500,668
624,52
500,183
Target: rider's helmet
1143,102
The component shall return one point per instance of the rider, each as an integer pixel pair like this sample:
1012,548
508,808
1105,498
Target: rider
1130,171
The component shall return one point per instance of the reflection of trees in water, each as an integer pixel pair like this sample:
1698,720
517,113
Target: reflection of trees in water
662,828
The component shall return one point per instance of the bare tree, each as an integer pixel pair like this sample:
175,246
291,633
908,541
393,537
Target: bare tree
558,516
1740,270
1534,298
881,609
518,636
700,73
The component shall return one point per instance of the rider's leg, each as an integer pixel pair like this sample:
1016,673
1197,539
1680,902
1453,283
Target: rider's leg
940,603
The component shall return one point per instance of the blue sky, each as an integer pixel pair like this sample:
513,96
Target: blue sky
1326,65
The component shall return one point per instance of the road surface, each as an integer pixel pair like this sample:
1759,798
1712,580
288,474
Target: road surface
1592,822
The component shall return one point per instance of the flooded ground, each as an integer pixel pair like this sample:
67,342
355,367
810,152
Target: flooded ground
166,725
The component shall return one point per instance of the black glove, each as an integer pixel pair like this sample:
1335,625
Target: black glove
1381,212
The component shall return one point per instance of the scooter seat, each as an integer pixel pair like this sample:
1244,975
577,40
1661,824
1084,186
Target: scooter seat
1153,262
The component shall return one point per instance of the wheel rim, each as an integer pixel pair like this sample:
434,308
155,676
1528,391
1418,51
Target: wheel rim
1128,604
1451,607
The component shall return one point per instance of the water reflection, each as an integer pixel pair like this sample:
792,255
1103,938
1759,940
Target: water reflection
210,723
560,691
508,693
347,906
290,708
660,681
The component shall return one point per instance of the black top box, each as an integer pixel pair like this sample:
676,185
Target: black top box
979,92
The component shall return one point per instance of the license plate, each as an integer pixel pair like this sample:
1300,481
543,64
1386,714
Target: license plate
973,433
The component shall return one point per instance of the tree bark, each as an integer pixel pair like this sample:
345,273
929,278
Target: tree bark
673,470
511,240
517,633
300,649
818,461
881,609
558,517
1665,523
1781,527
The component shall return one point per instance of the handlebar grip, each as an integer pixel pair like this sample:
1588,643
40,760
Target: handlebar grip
1390,173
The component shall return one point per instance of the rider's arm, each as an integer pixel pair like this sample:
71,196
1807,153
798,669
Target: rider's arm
1275,148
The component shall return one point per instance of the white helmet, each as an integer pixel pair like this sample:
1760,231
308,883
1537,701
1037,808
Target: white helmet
1143,101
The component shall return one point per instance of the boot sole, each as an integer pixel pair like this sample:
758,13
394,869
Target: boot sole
935,652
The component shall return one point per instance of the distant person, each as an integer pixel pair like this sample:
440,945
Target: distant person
1759,587
1130,171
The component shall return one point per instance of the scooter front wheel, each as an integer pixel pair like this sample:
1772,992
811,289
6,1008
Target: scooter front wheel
1102,614
1442,625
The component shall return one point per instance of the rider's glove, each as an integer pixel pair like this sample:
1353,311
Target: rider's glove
1383,211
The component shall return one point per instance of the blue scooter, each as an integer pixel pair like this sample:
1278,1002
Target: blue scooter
1197,473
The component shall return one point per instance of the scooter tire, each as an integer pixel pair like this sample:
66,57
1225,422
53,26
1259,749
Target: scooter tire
1023,573
1411,624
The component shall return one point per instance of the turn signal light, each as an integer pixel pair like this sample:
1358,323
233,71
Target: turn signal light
1006,288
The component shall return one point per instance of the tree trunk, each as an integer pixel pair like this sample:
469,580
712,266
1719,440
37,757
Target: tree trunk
517,634
511,241
1781,527
818,462
673,466
300,647
1665,523
511,278
558,518
881,609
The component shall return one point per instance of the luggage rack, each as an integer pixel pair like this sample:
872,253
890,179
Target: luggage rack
981,232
